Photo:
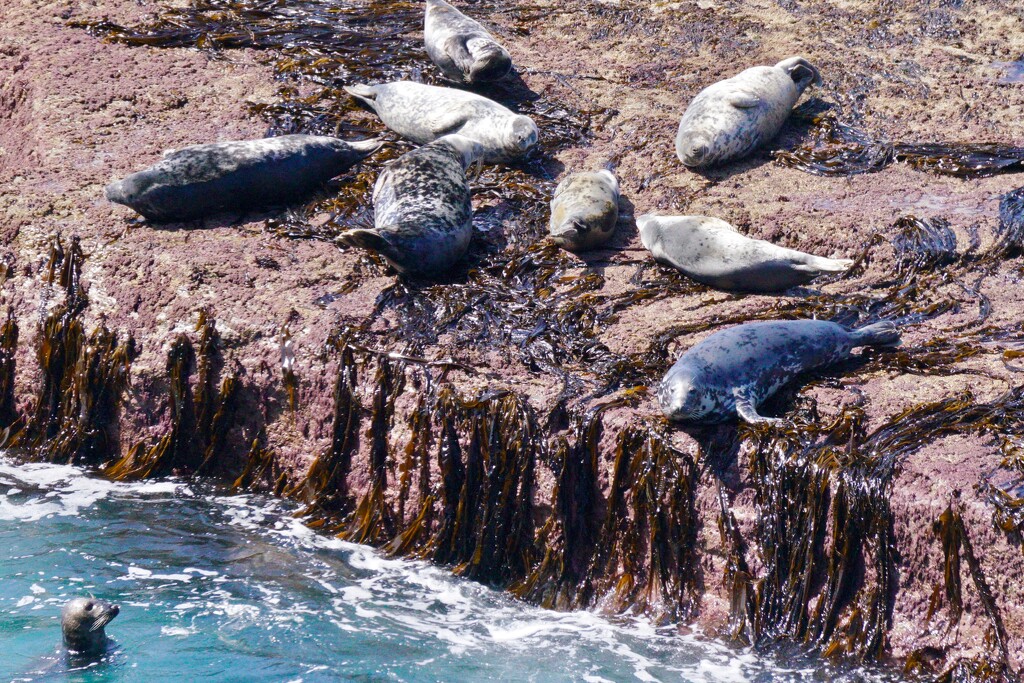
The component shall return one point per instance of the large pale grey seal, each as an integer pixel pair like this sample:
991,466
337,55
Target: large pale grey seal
711,251
730,119
424,113
462,49
731,372
584,210
83,620
206,179
423,217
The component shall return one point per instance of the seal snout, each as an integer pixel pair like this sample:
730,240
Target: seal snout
678,398
696,152
524,133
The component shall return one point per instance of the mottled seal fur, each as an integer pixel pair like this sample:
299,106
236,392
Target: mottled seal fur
584,210
83,620
423,113
730,119
711,251
462,49
423,217
731,372
207,179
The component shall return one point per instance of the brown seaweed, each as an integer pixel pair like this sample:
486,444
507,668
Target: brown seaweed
838,149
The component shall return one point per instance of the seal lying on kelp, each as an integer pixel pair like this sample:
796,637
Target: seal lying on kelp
462,49
82,621
711,251
730,119
423,113
423,217
584,210
202,180
731,372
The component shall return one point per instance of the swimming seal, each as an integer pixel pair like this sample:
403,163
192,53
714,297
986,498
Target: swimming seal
462,49
82,620
730,119
203,180
423,217
731,372
711,251
423,113
584,210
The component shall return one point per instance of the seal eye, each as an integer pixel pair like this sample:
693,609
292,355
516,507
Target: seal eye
89,606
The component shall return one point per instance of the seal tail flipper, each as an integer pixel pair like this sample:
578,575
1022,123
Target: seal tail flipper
364,93
803,73
489,61
884,333
366,239
820,265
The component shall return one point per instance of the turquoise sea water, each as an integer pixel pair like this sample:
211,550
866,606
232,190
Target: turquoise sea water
234,588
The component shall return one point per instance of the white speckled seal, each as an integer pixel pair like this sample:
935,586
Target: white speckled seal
423,113
462,49
584,210
711,251
423,217
207,179
730,119
731,372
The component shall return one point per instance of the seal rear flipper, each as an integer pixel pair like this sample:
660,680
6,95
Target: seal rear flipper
364,93
747,411
884,333
819,265
366,239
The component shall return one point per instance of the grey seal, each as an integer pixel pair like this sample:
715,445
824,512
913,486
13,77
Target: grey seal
202,180
83,620
730,119
731,372
423,217
711,251
462,49
423,113
585,210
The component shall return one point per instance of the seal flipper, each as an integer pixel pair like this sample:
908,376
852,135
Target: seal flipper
884,333
367,239
747,411
455,47
820,264
743,100
364,93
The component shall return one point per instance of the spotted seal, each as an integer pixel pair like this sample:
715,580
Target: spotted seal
424,113
423,217
202,180
83,620
584,210
731,118
711,251
731,372
462,49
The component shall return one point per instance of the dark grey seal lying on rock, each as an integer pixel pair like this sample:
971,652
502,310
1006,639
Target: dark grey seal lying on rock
83,620
423,217
731,372
730,119
584,210
462,49
711,251
423,113
203,180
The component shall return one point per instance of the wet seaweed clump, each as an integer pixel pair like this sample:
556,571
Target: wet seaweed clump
923,244
838,149
84,376
200,418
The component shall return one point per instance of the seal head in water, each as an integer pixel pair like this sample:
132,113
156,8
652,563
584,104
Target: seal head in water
83,620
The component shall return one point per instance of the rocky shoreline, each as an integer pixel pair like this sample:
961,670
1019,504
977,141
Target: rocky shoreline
871,527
